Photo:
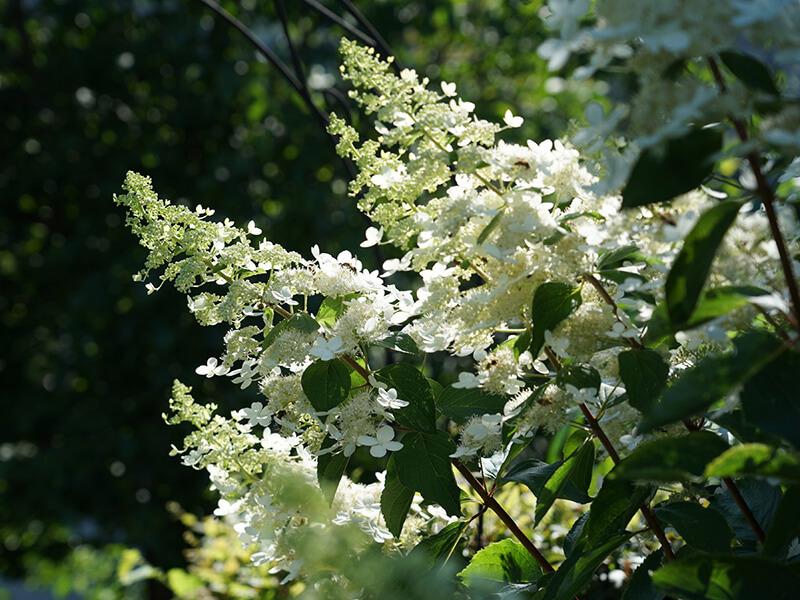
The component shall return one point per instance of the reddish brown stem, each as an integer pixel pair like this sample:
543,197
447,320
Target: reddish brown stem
742,504
509,522
768,200
647,513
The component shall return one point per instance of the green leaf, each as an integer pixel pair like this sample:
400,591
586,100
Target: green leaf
437,549
326,383
719,301
413,387
576,572
714,303
744,431
575,534
572,468
763,500
770,398
700,577
580,376
758,460
461,404
703,528
689,271
400,342
613,508
712,379
490,227
299,322
681,167
644,373
617,257
535,473
423,465
330,468
669,459
331,309
641,585
786,525
552,303
750,71
395,500
505,561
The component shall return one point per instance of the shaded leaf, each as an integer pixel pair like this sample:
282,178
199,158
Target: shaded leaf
438,549
713,378
613,508
644,373
535,473
423,465
330,468
785,526
702,577
460,404
703,528
681,167
750,71
669,459
400,342
413,387
326,383
770,398
395,500
573,467
576,572
763,500
552,303
641,585
689,271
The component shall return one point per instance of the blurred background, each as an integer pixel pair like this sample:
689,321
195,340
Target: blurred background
90,89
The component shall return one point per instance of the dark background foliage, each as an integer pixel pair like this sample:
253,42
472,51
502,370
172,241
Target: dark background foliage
90,89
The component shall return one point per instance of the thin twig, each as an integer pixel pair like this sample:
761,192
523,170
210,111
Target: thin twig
336,19
509,522
768,199
600,434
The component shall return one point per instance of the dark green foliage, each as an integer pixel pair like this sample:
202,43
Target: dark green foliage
395,500
644,374
668,459
712,379
612,509
330,468
641,585
423,465
682,166
689,271
326,383
763,499
702,577
460,404
413,387
552,303
439,548
770,398
750,71
703,528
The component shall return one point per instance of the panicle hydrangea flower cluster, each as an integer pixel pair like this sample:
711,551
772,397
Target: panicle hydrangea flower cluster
482,223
